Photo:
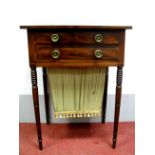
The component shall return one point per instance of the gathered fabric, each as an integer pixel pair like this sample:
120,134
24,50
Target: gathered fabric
76,92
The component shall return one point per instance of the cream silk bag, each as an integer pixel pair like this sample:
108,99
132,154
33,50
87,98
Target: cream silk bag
76,92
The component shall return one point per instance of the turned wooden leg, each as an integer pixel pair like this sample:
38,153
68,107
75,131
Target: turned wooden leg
36,104
104,102
46,96
117,104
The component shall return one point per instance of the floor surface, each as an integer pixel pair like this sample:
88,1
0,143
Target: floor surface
77,139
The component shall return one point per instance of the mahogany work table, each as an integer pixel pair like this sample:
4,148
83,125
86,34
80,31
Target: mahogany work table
75,46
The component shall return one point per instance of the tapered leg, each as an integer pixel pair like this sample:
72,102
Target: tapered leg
46,96
36,104
104,102
117,104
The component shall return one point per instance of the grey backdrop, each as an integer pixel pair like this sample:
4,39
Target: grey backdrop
127,112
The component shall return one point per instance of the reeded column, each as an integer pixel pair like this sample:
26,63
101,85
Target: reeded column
36,104
117,103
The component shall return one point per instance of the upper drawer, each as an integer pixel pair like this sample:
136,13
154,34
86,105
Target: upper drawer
71,38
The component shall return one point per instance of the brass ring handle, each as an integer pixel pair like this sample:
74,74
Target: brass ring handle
54,37
55,54
98,53
98,38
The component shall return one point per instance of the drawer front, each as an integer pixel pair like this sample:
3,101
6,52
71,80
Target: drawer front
61,38
76,53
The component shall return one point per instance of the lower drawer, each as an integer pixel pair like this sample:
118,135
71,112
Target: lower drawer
76,53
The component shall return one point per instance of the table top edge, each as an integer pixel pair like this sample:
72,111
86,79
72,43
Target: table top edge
78,27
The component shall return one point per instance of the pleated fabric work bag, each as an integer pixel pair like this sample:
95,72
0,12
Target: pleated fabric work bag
76,92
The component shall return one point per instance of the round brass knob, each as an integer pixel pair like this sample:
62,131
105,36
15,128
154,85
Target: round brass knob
98,38
54,37
98,53
55,54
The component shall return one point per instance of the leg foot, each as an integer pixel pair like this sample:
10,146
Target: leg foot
40,145
114,145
